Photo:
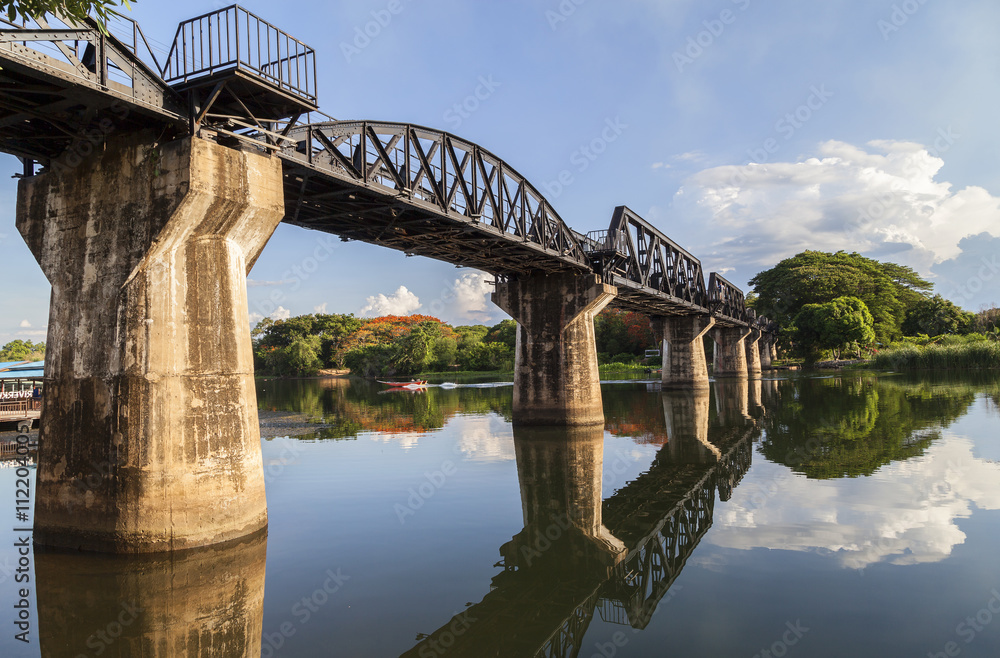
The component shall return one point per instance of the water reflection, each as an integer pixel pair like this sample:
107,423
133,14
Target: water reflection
202,602
577,555
911,486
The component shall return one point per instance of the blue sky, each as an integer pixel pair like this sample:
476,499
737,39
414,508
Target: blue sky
746,131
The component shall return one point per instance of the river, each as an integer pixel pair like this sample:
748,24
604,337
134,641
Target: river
850,514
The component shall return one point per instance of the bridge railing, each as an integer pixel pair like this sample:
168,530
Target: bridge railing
235,39
439,170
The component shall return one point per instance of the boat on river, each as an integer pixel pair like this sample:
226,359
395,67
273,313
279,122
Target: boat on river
411,385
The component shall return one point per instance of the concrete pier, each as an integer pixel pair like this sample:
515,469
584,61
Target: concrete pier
684,363
560,471
149,438
729,352
556,381
764,348
751,345
204,602
687,417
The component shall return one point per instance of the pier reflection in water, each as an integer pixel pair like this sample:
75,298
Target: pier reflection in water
201,602
654,529
579,554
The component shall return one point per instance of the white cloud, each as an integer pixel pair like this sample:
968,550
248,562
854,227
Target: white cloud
904,514
251,283
25,324
320,309
882,201
660,165
472,291
401,302
280,313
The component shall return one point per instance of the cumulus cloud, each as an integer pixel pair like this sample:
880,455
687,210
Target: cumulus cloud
914,520
280,313
401,302
882,200
320,309
471,293
25,324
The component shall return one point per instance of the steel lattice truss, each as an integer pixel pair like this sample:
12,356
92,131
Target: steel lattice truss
237,79
425,192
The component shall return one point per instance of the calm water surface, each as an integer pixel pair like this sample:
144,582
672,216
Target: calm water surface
847,515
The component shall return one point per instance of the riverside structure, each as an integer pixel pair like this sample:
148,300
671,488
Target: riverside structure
148,192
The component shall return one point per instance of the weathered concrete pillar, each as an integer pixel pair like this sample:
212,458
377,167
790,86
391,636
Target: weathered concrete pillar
732,401
684,364
729,353
774,349
556,381
750,344
560,472
686,414
149,438
204,602
764,347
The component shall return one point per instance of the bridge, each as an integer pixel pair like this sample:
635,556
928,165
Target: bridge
557,576
149,189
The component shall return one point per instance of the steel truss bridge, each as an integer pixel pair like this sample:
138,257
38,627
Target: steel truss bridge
661,518
230,76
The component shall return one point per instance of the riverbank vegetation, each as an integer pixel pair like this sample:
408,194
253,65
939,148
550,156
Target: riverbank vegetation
22,350
831,305
404,346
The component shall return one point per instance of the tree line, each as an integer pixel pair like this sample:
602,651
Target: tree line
22,350
826,304
393,346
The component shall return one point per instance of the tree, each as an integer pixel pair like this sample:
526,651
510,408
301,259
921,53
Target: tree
22,350
78,10
935,316
816,277
505,332
841,323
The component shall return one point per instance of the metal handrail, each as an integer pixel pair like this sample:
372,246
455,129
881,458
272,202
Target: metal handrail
234,38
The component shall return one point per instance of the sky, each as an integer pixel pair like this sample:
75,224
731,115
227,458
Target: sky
747,131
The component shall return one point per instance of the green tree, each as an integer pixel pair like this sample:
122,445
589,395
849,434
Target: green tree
79,10
300,357
22,350
487,356
816,277
842,323
935,316
505,332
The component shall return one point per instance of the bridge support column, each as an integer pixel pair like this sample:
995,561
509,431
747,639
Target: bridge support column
750,343
730,357
684,363
556,381
687,414
765,351
149,436
560,472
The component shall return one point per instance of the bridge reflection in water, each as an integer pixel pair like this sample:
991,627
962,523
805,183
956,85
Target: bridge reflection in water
202,602
578,555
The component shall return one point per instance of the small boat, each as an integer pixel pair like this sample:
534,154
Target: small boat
410,385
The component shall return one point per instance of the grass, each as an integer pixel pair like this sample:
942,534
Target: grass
617,366
961,356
